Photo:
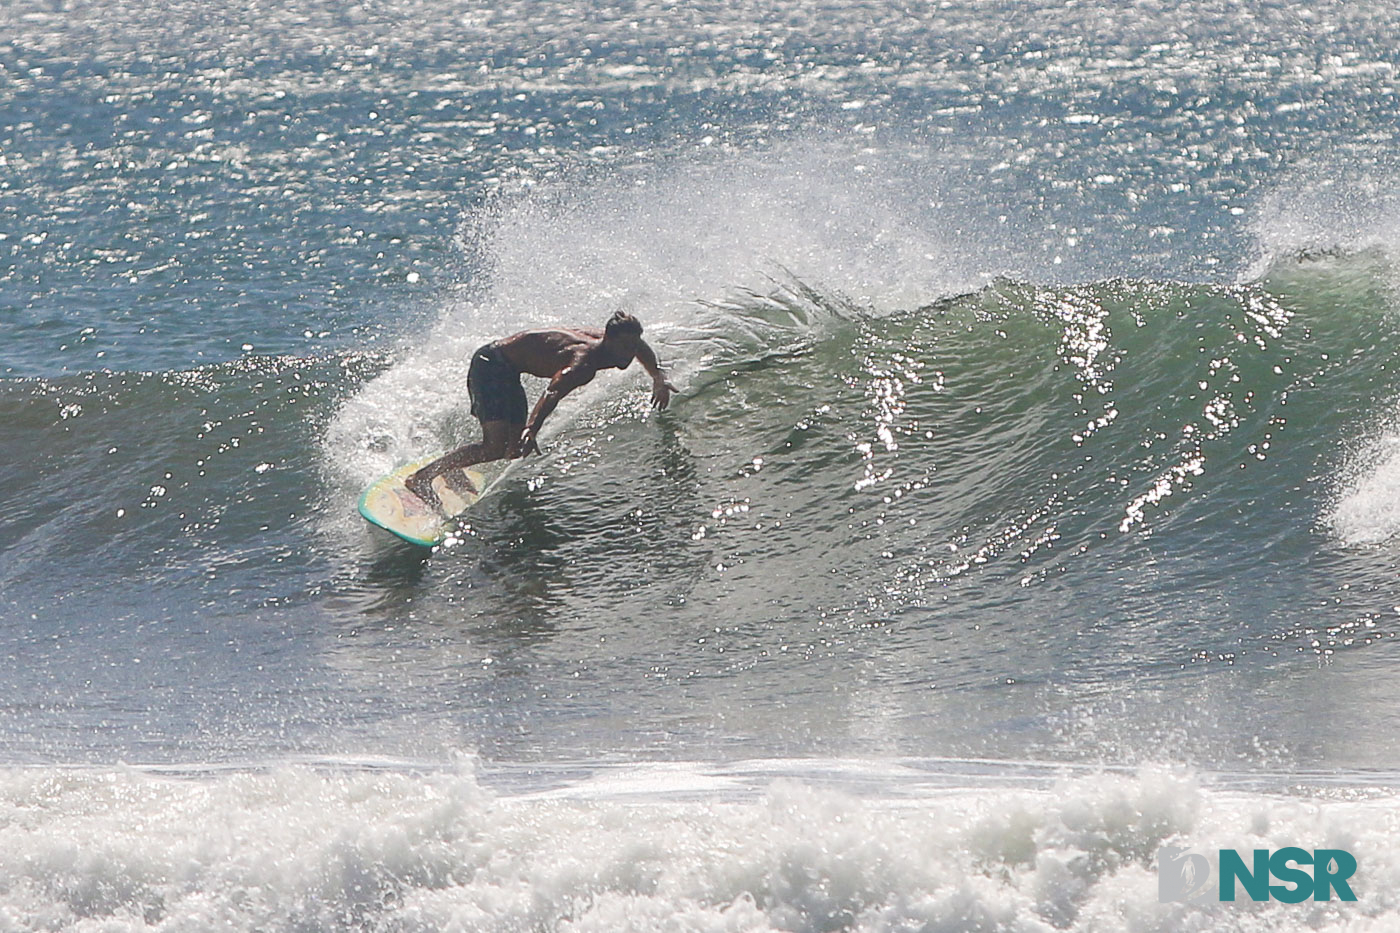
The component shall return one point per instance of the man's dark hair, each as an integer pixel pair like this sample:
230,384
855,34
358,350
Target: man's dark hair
622,323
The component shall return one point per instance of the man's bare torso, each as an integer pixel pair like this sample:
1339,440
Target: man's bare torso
544,353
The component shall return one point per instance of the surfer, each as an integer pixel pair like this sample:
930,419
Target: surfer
568,358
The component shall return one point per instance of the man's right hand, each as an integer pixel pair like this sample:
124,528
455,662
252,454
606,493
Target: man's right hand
528,444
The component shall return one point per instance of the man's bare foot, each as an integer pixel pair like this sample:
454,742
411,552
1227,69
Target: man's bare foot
422,487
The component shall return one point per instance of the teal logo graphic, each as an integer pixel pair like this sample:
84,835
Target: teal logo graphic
1183,875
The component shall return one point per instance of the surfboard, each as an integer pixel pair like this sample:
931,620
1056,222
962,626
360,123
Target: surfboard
388,503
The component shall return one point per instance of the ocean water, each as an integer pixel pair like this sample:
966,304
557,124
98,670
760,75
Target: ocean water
1031,498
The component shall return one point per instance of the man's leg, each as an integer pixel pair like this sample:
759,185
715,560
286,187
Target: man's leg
495,444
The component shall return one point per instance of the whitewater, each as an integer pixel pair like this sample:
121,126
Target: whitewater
1029,501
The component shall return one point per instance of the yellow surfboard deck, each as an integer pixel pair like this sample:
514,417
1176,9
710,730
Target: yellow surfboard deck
389,504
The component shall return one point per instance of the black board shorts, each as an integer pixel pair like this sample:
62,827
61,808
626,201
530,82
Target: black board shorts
494,387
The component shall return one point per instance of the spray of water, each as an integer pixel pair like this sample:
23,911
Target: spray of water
721,255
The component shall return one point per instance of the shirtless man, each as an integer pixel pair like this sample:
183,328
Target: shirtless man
567,358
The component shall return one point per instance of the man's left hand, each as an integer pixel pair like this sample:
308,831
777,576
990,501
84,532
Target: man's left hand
661,393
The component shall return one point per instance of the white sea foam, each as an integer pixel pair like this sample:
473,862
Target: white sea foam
1367,510
301,848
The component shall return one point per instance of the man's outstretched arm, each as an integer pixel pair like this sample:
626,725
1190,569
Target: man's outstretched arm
564,382
660,389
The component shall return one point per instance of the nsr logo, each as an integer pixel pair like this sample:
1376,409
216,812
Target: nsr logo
1183,876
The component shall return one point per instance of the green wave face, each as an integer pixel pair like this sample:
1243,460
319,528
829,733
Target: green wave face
1048,509
1020,498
